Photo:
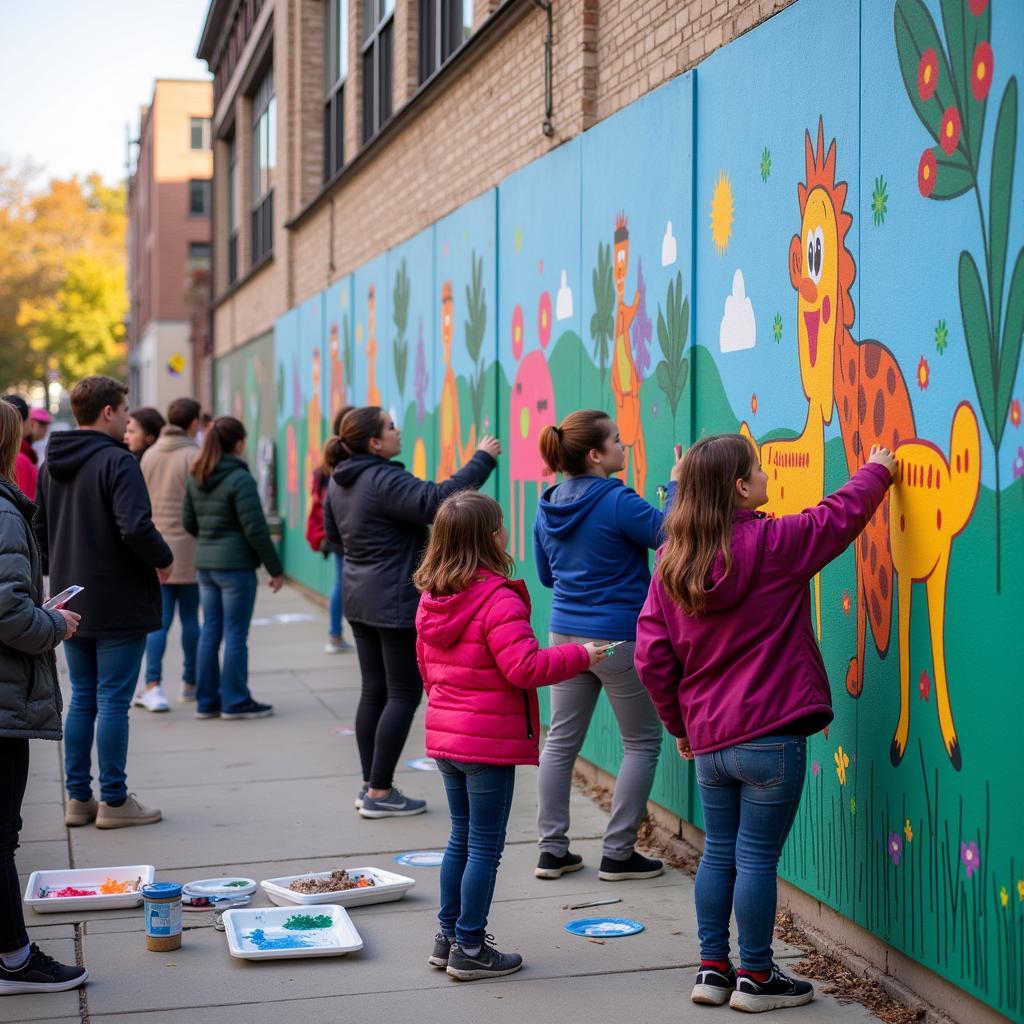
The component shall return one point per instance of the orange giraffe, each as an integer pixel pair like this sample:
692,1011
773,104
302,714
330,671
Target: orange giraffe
314,437
372,391
453,454
337,370
625,379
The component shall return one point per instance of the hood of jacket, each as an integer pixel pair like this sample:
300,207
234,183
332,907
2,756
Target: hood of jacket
228,464
69,450
172,438
351,469
725,591
18,499
564,506
441,621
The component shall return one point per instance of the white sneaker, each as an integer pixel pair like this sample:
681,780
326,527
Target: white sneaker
341,646
154,700
137,700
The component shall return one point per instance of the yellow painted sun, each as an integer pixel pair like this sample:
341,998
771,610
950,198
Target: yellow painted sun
721,213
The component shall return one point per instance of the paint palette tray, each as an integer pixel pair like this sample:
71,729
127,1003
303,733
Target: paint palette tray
89,883
387,887
275,933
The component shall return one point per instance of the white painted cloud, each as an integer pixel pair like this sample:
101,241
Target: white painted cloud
668,247
563,303
738,330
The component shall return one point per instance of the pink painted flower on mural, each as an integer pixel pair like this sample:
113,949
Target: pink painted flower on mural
517,331
970,857
926,169
895,848
924,685
1015,412
544,319
977,7
815,768
753,404
949,131
1018,464
927,74
924,374
981,70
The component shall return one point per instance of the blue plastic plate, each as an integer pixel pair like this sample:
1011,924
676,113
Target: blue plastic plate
422,764
421,858
604,927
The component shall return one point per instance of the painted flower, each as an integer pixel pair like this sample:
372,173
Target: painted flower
853,805
766,164
1015,412
908,831
753,404
815,767
926,170
517,331
927,74
847,603
981,70
970,857
1004,896
826,732
977,7
924,685
949,130
941,337
1020,890
879,202
777,328
895,848
1018,464
842,763
923,374
544,319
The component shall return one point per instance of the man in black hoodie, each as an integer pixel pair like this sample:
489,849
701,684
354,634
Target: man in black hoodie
95,530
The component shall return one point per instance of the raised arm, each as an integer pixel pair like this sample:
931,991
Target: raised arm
24,626
416,501
657,663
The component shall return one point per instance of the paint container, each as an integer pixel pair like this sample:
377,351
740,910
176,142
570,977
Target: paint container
163,916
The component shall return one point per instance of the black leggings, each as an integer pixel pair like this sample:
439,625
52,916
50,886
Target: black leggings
392,690
13,777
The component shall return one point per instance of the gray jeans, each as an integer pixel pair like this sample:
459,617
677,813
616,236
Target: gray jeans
572,707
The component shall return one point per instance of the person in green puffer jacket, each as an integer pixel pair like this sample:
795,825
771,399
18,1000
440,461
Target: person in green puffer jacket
222,508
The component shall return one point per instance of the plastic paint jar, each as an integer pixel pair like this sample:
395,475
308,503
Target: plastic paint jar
163,916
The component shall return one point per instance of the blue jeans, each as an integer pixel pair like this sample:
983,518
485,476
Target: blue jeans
750,794
334,609
103,677
228,597
186,596
479,801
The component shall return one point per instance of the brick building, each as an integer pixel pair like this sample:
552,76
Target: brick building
169,243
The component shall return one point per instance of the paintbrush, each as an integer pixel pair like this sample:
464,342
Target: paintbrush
591,903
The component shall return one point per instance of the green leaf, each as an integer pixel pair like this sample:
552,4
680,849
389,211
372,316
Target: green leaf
963,33
915,33
1000,193
952,176
1009,353
976,332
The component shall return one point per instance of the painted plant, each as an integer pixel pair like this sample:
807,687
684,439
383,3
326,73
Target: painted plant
602,321
476,325
642,330
400,315
673,330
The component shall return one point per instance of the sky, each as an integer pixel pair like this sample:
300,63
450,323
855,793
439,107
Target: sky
74,74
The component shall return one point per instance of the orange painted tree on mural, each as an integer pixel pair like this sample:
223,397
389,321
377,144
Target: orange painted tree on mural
948,87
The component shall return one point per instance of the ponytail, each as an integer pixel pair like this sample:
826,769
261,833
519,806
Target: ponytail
565,448
332,451
358,428
220,439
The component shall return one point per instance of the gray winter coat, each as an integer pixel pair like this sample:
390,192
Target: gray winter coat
30,701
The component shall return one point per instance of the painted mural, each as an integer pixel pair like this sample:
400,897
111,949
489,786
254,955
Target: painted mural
843,266
242,387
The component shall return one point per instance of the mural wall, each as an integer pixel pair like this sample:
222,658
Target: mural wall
243,388
824,253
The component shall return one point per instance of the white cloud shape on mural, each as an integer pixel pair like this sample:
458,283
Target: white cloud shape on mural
738,330
563,303
668,247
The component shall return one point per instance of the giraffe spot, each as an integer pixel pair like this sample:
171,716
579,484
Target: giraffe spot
967,460
938,519
883,583
863,546
890,381
856,442
903,522
862,404
958,462
775,473
782,493
846,408
872,359
895,437
873,561
853,371
885,513
879,413
938,482
876,608
929,477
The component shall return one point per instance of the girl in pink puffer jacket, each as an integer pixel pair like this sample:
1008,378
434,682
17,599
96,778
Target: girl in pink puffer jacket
481,667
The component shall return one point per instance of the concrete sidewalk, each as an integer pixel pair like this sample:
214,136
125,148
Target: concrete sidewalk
274,797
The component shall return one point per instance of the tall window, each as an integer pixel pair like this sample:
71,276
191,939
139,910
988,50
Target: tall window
199,133
444,26
264,161
335,73
378,51
199,255
199,197
234,213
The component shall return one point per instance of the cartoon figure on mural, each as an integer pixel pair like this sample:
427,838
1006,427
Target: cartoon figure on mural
625,380
292,447
531,409
452,452
372,391
337,370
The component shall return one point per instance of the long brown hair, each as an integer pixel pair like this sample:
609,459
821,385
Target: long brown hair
565,448
699,524
462,542
220,439
358,428
10,440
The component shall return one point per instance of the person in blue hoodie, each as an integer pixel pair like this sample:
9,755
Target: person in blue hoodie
591,540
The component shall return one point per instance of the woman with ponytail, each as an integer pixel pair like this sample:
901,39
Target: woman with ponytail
222,508
591,541
378,514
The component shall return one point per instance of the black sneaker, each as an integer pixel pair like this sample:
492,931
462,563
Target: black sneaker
254,709
713,987
442,951
395,805
636,865
40,973
550,866
488,963
779,991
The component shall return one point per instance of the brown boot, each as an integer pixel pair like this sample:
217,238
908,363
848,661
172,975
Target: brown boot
80,812
131,812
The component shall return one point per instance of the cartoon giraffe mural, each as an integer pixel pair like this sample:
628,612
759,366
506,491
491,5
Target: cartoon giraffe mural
372,391
453,454
337,376
625,379
314,433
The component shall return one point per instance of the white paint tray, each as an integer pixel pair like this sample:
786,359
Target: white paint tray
387,888
85,878
259,933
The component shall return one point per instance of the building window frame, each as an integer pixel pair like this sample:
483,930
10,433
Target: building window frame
199,196
234,200
263,167
202,126
444,27
336,26
378,59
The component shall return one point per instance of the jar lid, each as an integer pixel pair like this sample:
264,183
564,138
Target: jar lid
161,890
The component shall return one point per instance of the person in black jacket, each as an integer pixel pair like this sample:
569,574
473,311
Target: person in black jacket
29,708
378,514
95,529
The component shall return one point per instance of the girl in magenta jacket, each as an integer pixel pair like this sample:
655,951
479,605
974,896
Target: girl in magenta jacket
726,650
481,667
